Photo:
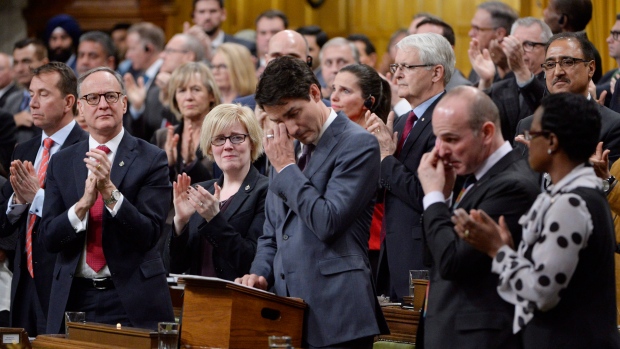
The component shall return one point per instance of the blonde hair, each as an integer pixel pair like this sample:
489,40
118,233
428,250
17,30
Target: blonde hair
241,69
224,116
181,77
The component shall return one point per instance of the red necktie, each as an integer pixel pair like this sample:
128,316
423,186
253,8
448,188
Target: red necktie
45,159
411,119
94,248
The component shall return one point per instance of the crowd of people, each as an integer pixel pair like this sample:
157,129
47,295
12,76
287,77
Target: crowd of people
303,165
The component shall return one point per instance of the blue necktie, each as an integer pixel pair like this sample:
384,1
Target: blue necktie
25,101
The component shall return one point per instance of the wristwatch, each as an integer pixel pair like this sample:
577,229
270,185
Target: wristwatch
608,184
114,197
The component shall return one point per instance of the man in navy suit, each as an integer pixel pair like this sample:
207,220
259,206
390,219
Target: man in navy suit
318,212
423,66
53,104
105,205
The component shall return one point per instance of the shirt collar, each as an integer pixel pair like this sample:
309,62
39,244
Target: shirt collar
61,135
151,71
6,88
421,109
493,159
332,116
218,40
112,144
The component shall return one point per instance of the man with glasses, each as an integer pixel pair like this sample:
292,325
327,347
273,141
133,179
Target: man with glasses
569,66
423,66
105,216
491,22
518,96
608,80
53,105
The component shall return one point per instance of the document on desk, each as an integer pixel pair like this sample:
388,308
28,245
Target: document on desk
212,279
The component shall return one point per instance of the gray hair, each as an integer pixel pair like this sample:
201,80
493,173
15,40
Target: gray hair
502,15
102,39
10,58
527,22
340,41
190,43
432,49
83,77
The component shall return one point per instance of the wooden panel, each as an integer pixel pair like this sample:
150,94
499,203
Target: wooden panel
403,324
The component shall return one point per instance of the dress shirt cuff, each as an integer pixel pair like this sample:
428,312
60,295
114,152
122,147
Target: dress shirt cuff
14,211
292,163
402,107
77,224
136,113
114,211
525,83
433,197
37,203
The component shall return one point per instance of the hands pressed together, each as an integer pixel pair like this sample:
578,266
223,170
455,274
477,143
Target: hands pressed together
481,231
388,139
188,199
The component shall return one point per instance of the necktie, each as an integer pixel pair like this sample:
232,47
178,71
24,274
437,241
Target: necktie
25,104
306,154
469,181
45,159
94,248
411,119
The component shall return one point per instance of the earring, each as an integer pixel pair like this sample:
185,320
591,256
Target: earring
549,151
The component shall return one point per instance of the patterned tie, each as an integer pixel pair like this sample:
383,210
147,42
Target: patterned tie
45,159
411,119
469,181
306,154
25,104
94,248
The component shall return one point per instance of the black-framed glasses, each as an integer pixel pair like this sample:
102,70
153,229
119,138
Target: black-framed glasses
528,46
614,34
529,135
219,66
234,139
566,62
406,67
173,50
95,98
476,28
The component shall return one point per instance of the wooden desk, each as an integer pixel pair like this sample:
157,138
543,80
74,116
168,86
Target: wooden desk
403,324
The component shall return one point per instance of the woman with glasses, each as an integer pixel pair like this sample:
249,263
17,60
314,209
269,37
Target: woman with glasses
561,276
217,222
234,71
192,93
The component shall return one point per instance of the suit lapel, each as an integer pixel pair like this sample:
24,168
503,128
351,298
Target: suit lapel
423,122
326,144
499,167
123,159
80,172
242,194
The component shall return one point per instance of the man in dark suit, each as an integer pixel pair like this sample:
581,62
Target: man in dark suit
318,214
518,96
464,308
422,68
53,104
569,61
209,15
145,43
105,215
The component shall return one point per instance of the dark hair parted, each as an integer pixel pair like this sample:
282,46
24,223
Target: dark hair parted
587,48
271,14
576,122
372,84
370,48
67,81
578,13
40,50
316,31
285,78
447,31
220,2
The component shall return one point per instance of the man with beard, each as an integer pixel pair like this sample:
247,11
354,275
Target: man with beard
62,34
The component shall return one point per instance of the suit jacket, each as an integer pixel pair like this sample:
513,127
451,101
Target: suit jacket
403,202
151,119
610,133
11,99
316,234
140,172
43,261
232,233
505,95
464,308
7,139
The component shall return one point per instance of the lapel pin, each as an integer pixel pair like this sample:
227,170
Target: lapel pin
247,187
422,119
121,164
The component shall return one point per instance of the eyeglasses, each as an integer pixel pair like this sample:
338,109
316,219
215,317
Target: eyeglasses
219,66
529,135
615,35
528,46
406,67
234,139
564,63
476,28
172,50
95,98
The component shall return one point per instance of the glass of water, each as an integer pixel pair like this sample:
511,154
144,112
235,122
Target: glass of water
168,333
